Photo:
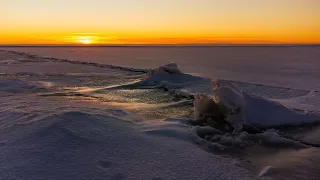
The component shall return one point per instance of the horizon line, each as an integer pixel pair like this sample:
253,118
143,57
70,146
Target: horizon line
159,45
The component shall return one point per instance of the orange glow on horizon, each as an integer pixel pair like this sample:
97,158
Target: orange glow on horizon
84,40
160,22
156,39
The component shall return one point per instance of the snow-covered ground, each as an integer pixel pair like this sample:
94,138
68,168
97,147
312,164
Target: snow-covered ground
63,119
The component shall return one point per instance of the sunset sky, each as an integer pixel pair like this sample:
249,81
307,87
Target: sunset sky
159,21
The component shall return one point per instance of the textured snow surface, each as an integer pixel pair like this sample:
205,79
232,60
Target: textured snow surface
45,133
78,145
63,119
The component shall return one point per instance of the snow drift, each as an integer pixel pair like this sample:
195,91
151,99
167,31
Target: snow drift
240,107
223,99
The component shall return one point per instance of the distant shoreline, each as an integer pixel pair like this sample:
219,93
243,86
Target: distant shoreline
161,45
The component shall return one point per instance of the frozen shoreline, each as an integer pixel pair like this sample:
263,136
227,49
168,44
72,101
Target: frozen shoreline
53,138
77,121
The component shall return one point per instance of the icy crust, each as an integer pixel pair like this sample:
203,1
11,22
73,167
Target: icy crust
35,58
223,99
265,112
18,86
171,78
228,95
215,139
241,107
310,101
169,75
171,68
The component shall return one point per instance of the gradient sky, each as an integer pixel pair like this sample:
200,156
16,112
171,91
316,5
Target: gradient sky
159,21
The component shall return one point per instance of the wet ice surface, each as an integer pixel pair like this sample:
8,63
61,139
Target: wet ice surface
288,66
75,120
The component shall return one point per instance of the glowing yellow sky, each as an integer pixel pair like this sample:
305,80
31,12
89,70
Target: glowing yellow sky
159,21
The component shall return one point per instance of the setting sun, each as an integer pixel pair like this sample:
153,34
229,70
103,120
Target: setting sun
84,40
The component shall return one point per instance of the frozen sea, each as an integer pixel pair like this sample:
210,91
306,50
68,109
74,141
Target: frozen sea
121,113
